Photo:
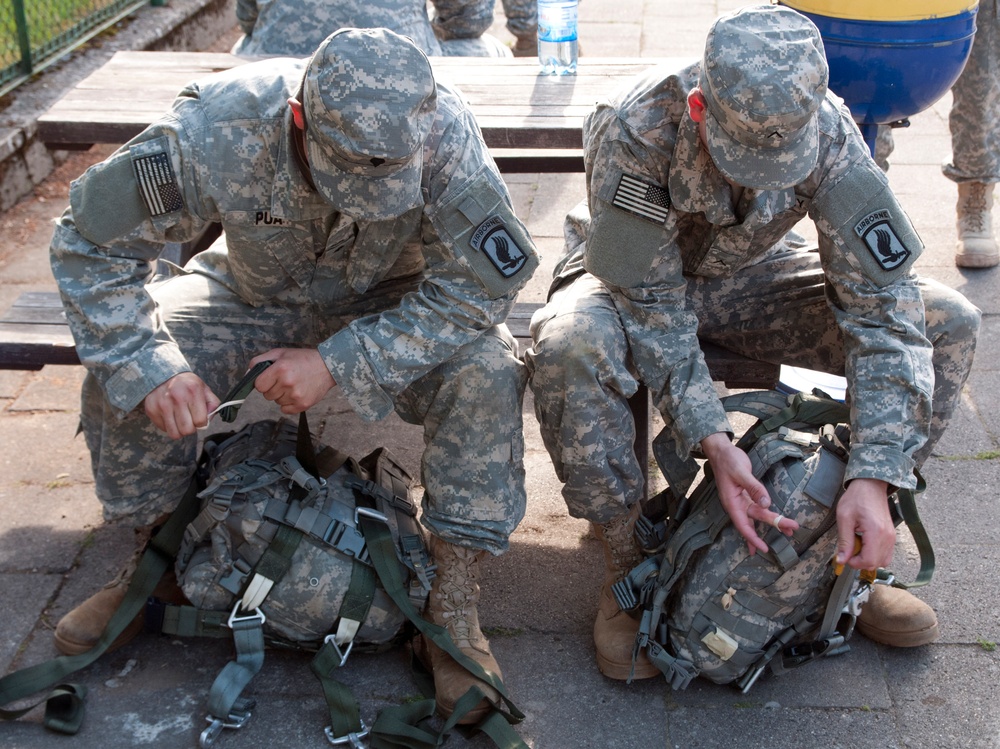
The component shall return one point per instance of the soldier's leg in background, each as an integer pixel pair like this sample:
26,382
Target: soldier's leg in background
974,121
581,383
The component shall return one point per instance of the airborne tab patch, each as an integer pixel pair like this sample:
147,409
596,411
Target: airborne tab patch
493,240
882,241
157,184
645,200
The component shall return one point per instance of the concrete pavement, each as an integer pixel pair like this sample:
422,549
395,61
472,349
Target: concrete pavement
539,599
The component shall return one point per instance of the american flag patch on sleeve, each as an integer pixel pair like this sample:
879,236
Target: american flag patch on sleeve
157,184
647,201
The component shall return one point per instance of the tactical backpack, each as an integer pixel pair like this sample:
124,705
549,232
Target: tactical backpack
283,541
710,608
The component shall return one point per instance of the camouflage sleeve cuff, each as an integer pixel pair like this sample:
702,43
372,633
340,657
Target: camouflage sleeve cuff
350,368
695,424
883,463
151,367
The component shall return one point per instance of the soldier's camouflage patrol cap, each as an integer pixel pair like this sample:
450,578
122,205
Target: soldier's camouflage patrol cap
764,77
369,99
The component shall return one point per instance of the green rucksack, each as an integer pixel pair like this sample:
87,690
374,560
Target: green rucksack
707,606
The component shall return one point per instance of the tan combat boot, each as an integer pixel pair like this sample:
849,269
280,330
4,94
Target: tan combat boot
896,617
977,247
614,629
80,629
452,604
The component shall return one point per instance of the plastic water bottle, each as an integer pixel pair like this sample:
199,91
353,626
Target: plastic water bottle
557,41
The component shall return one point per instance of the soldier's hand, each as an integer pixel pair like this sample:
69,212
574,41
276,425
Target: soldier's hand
741,494
863,511
180,405
297,380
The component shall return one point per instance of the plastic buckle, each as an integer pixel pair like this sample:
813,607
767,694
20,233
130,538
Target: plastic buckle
342,654
353,739
236,719
256,614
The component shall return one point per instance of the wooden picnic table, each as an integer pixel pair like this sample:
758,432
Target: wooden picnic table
531,122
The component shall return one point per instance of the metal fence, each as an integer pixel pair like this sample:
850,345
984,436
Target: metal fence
36,33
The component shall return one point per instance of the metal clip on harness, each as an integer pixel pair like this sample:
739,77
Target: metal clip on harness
237,718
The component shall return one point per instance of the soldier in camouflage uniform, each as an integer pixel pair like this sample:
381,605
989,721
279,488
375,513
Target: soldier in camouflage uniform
975,142
369,242
296,27
695,178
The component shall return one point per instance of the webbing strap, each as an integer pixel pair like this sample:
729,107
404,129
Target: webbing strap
342,707
66,710
906,501
497,725
240,391
248,637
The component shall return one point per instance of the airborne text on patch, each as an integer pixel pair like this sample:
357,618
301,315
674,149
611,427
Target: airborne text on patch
882,240
157,184
493,240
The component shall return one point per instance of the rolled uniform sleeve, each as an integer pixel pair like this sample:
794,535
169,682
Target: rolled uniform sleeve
867,248
102,254
478,256
639,261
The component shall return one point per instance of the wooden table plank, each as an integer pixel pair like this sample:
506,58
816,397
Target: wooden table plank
515,106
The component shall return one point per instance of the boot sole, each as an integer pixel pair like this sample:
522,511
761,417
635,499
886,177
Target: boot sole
622,671
74,647
977,261
900,639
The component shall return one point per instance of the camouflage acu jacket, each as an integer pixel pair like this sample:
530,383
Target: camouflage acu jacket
660,211
224,154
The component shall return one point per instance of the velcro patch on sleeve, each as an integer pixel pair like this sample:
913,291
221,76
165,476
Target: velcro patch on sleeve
643,199
479,223
494,240
865,217
157,184
882,241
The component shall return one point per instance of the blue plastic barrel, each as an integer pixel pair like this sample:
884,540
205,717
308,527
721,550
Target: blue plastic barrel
894,58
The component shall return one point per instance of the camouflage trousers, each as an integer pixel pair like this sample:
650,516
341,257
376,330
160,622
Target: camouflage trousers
974,119
472,467
775,310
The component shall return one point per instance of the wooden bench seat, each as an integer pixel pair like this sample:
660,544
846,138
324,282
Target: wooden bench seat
34,333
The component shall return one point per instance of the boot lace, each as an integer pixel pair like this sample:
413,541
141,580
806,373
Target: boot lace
620,538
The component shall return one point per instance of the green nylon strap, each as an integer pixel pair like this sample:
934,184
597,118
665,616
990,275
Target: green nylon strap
248,636
240,391
358,598
382,550
277,557
907,504
67,712
188,621
345,714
